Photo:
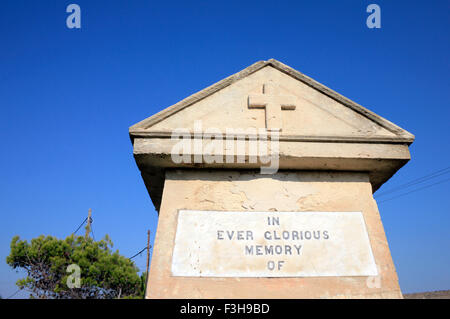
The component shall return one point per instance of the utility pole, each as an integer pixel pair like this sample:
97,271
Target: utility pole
148,248
88,226
148,261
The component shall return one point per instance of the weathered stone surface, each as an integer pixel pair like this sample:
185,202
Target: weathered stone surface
273,103
320,129
224,190
381,160
271,244
332,155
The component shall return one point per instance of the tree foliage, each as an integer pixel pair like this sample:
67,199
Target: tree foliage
104,273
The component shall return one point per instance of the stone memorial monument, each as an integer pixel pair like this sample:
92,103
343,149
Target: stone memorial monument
263,183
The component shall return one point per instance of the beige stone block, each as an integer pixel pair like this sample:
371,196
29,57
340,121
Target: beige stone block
300,191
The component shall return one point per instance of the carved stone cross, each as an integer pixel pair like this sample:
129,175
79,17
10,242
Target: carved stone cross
273,103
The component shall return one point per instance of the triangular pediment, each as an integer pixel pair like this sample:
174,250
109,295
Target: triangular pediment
269,94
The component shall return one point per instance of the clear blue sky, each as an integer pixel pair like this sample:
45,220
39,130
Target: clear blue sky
67,98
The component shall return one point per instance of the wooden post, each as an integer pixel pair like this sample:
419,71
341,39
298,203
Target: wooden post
88,226
148,249
148,261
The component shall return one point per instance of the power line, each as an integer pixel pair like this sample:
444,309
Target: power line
80,226
416,181
415,190
13,294
138,253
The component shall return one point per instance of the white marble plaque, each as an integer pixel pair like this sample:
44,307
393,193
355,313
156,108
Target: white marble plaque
271,244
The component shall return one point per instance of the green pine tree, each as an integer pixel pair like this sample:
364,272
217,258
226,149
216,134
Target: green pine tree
104,273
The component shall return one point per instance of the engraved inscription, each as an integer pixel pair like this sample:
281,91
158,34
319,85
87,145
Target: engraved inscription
271,244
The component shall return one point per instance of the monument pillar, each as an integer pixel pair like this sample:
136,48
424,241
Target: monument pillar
264,186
